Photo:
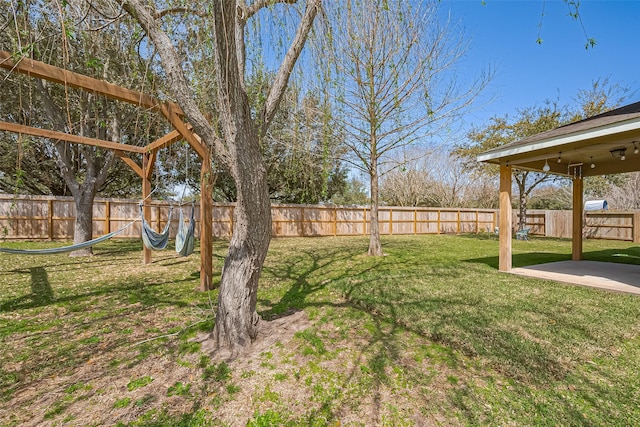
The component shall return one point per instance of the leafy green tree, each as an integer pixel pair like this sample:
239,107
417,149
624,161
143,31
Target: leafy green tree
503,130
302,149
354,193
600,97
69,42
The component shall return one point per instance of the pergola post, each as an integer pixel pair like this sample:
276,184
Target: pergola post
170,110
147,167
505,218
206,219
576,240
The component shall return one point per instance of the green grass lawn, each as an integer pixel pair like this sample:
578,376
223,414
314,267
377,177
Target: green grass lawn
430,334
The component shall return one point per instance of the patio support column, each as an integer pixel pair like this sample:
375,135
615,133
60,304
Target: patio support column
576,238
505,218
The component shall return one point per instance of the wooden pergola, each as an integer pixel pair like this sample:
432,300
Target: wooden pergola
602,145
171,111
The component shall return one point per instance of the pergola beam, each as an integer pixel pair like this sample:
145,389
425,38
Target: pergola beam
129,161
61,136
165,141
172,112
54,74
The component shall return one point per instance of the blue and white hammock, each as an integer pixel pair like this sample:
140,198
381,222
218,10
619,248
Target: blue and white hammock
151,238
185,237
69,248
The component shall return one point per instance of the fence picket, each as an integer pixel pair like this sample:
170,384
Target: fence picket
22,217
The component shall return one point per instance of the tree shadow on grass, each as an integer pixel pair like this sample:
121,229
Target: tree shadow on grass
41,292
621,256
521,260
462,318
93,327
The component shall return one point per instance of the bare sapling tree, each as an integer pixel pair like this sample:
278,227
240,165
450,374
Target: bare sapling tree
235,137
436,179
395,63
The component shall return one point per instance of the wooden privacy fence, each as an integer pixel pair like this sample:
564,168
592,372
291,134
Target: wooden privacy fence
52,218
611,225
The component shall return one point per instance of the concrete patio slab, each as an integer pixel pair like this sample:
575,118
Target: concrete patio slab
603,275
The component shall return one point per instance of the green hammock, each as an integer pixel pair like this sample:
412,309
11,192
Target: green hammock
185,236
66,248
151,238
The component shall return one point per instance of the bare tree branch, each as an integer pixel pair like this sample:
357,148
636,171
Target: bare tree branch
172,64
260,4
178,10
286,67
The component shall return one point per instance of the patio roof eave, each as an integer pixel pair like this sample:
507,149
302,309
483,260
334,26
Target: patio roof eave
558,143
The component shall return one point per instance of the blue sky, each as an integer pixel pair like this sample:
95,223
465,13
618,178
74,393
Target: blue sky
503,35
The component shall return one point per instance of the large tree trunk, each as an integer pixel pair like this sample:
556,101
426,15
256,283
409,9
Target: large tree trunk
236,317
375,246
522,220
236,145
83,227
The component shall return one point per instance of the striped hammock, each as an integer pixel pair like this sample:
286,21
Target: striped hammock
70,248
151,238
185,237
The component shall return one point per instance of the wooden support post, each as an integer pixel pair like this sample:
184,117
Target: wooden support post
51,220
390,221
231,220
364,221
576,239
147,168
206,225
505,218
302,222
438,223
335,222
415,221
107,217
636,227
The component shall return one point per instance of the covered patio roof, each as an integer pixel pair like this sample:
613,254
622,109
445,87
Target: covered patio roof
590,141
608,143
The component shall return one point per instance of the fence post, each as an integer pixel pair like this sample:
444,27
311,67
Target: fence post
438,231
390,221
51,220
636,227
477,222
335,221
302,221
415,221
364,221
458,223
107,217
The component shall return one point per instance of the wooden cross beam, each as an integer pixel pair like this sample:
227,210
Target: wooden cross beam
69,78
61,136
